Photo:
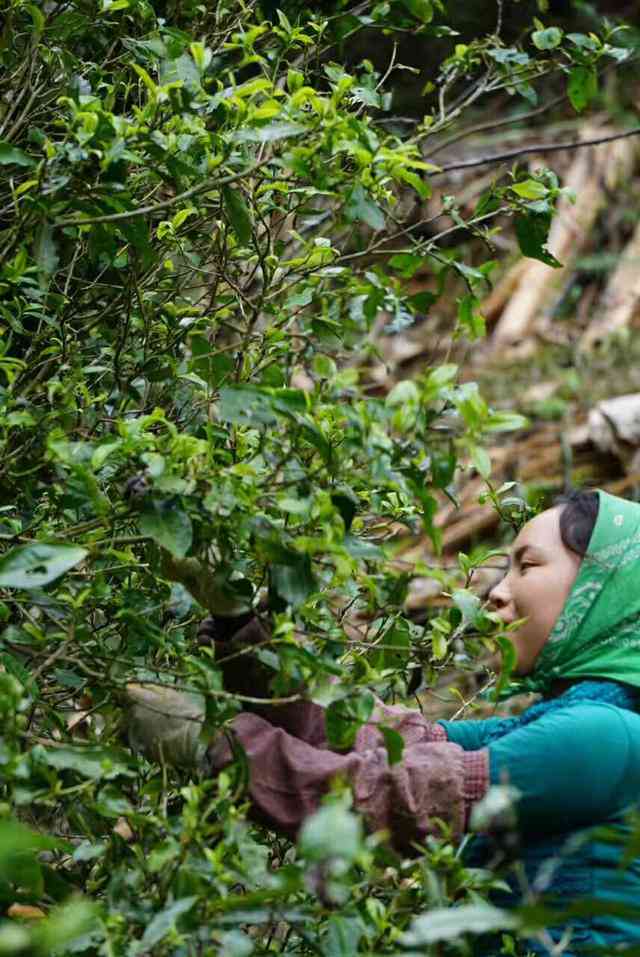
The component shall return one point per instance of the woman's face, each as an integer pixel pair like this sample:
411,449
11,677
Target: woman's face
540,576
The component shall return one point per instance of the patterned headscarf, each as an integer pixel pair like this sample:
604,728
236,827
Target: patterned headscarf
597,634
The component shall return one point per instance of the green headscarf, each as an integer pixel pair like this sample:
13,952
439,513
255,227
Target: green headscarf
597,634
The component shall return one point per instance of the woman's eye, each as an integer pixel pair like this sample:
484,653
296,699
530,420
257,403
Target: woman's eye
525,565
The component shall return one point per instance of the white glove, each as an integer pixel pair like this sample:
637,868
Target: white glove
165,724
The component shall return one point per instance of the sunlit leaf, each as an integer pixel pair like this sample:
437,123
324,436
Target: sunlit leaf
38,564
238,213
9,155
582,87
450,923
168,525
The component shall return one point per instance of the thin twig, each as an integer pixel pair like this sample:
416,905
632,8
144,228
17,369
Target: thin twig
473,697
493,124
536,148
164,204
57,653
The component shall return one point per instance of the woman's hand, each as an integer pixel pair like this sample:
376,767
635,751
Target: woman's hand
216,629
165,724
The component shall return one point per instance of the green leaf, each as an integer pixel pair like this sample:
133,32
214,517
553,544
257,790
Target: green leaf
92,762
359,207
168,525
332,832
509,56
46,250
429,509
404,392
397,645
162,923
234,943
294,582
482,461
38,564
19,864
269,133
470,318
343,936
316,438
146,79
584,41
449,923
37,16
238,214
9,155
530,189
421,186
467,603
111,802
439,380
407,264
532,231
102,453
393,742
67,927
250,405
505,421
508,663
246,405
547,39
212,368
582,87
421,302
443,465
422,9
182,69
345,716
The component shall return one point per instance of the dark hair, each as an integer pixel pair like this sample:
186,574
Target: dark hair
577,519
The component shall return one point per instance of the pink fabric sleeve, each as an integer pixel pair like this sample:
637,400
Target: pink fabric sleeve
243,673
287,778
291,766
306,720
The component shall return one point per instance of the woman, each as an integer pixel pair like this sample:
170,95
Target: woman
573,758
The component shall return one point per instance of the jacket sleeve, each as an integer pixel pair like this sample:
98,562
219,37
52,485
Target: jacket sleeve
574,767
473,735
435,780
244,673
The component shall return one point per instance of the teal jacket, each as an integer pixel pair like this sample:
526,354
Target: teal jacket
577,769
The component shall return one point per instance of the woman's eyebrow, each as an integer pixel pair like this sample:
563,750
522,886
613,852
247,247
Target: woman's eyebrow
519,552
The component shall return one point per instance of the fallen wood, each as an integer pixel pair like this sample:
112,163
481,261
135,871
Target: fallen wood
540,285
620,302
539,456
480,519
505,287
614,426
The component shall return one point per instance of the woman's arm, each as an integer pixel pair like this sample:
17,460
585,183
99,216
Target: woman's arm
574,767
234,642
475,734
435,781
244,674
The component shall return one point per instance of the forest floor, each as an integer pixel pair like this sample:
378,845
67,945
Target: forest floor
559,341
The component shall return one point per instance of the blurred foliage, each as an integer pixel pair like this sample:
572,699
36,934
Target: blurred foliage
203,214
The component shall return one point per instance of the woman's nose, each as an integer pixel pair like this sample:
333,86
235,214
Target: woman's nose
499,596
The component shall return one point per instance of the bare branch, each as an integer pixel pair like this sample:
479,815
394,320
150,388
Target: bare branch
535,148
495,124
164,204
